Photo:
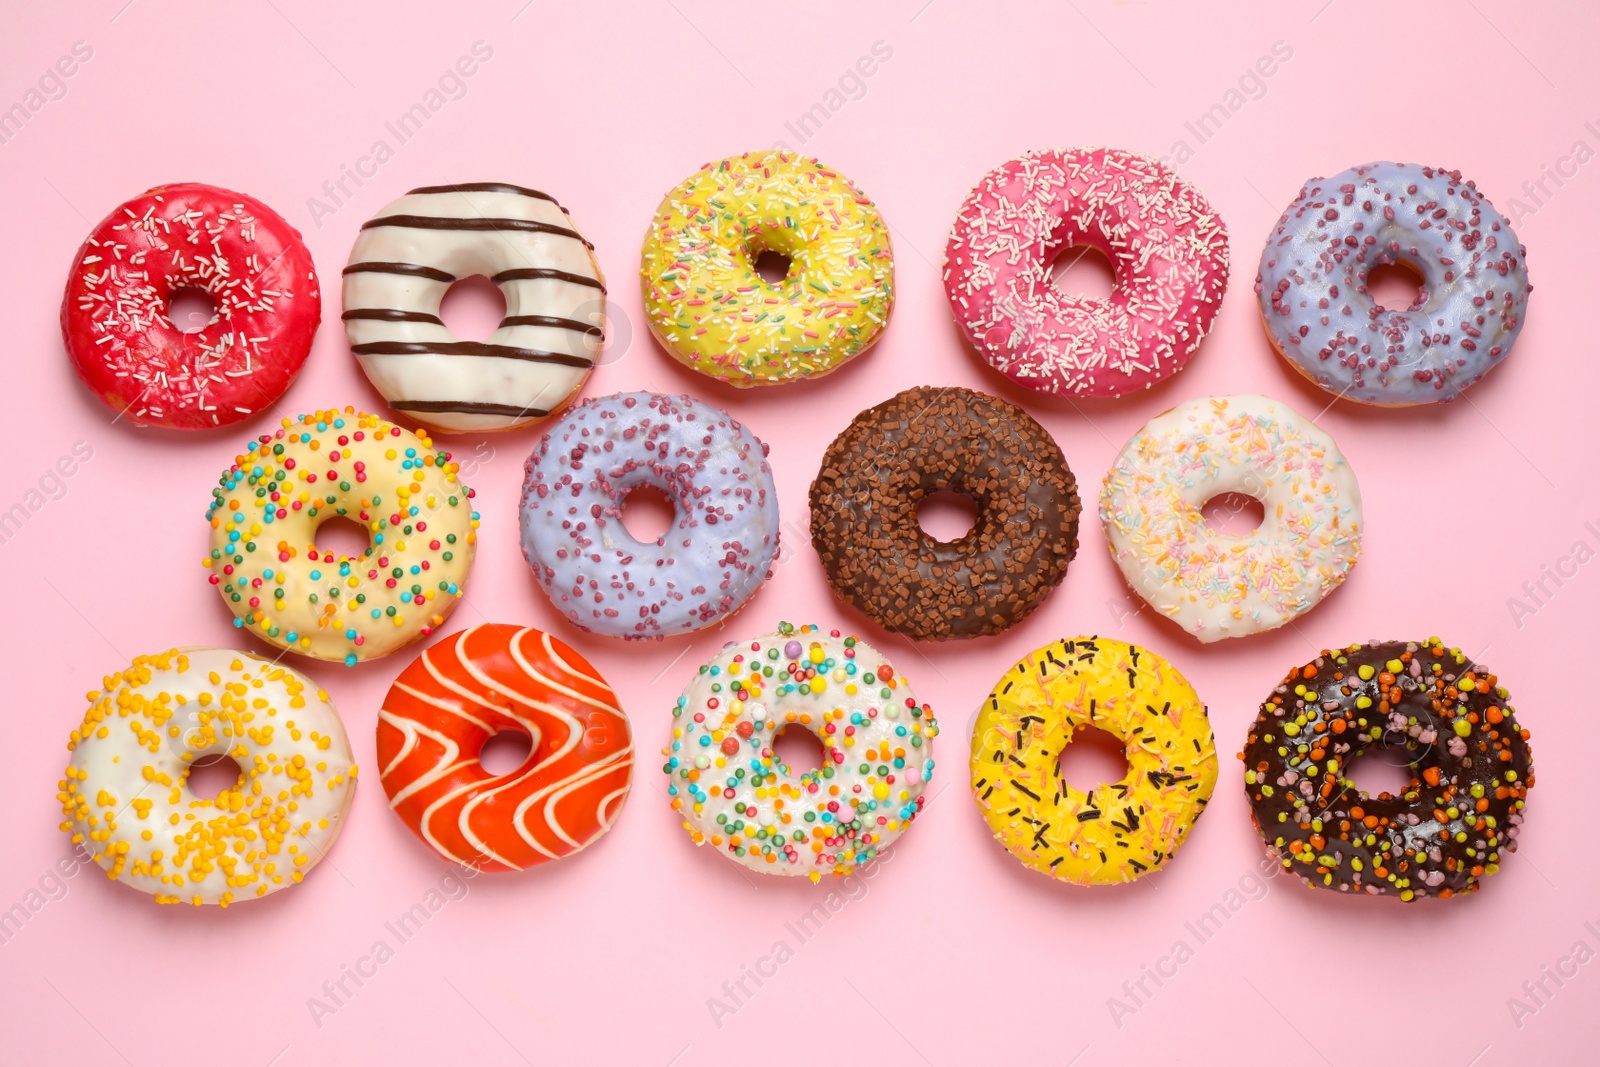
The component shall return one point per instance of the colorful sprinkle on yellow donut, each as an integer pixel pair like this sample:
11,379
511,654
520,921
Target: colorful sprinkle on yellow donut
710,308
264,517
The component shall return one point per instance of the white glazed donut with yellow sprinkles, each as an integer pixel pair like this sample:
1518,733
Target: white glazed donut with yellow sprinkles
264,517
126,797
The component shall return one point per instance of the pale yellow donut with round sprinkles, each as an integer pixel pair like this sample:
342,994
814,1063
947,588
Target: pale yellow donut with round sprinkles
126,799
709,307
406,492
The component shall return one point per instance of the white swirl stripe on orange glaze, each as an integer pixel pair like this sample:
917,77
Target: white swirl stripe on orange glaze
480,682
405,260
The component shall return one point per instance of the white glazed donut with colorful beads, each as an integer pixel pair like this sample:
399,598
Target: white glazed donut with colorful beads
736,794
1218,585
126,797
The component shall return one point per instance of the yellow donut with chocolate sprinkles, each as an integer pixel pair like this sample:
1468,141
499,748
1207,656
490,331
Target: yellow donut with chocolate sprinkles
1118,831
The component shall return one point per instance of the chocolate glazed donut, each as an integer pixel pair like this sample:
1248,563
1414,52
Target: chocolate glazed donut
1470,771
864,514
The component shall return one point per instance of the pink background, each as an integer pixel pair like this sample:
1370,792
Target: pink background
953,951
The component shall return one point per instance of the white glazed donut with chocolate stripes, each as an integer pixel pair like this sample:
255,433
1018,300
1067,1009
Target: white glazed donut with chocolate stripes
405,260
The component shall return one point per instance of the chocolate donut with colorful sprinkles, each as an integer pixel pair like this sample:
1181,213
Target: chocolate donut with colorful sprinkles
1471,771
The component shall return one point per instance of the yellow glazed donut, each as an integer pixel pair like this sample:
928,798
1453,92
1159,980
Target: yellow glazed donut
707,305
264,517
1117,831
126,795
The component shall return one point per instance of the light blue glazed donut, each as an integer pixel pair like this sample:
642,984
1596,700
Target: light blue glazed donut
723,537
1313,284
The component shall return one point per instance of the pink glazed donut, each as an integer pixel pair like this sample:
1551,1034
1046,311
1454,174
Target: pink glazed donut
1168,248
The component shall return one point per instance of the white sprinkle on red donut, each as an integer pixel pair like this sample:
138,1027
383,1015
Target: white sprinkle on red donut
243,255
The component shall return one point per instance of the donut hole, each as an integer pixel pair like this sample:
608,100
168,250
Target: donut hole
1092,758
1234,514
472,308
1385,772
211,774
1083,272
190,309
339,538
946,515
505,751
648,513
1395,286
773,267
798,749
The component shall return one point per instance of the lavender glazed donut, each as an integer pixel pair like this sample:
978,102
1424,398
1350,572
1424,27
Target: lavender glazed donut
1313,284
718,550
1168,247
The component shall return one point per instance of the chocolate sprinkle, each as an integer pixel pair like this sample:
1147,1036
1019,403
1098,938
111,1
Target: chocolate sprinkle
864,514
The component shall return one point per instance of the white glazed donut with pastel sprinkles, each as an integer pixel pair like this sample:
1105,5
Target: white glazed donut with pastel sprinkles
1218,585
736,794
126,798
1320,316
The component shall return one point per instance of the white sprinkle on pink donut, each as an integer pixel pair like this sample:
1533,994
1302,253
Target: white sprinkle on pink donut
1168,248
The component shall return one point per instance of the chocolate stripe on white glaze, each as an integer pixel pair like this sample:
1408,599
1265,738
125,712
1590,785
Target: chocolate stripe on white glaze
391,315
470,407
468,348
539,273
437,222
554,322
416,270
549,337
488,187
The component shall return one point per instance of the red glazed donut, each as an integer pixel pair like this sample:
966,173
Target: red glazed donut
1169,250
253,265
481,682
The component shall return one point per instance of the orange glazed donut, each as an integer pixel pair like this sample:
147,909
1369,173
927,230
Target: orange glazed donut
478,683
